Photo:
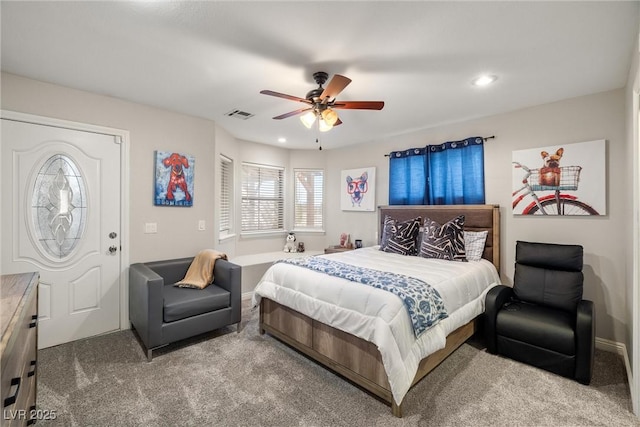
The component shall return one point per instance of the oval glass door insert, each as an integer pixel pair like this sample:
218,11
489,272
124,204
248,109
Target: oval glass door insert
59,206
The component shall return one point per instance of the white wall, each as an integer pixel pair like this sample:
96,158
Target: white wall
600,116
605,239
150,129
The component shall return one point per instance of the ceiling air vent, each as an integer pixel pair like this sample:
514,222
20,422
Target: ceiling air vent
239,114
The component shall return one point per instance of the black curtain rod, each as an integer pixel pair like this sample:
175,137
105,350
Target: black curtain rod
484,138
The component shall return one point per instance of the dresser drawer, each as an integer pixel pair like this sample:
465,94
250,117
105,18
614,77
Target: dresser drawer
21,348
19,361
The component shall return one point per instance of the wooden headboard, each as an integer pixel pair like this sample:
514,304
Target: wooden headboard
476,218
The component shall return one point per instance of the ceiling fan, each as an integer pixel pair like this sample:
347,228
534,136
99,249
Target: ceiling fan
321,102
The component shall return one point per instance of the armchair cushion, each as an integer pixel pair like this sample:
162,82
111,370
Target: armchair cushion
181,303
549,274
538,325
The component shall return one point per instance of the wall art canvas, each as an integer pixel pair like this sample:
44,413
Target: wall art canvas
563,179
174,173
358,189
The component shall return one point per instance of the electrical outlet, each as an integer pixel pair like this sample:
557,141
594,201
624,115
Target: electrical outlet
201,225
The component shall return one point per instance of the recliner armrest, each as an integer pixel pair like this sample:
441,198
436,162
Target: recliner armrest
494,300
585,340
228,276
145,303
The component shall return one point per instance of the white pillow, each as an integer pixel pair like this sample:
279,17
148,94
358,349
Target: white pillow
474,244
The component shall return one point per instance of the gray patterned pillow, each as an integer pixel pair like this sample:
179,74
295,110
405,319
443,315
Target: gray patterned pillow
400,237
474,244
443,241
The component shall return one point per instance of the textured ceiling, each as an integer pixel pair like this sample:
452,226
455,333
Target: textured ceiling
208,58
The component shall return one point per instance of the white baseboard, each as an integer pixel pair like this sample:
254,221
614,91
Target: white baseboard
621,349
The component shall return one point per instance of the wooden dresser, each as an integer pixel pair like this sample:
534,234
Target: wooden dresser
18,316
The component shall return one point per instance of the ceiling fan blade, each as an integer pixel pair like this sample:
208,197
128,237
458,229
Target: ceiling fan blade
358,105
285,96
338,122
335,86
292,113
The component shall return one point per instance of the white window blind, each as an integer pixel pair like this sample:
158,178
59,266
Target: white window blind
226,192
262,198
308,197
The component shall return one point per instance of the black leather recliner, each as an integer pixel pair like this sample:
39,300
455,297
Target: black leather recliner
543,320
162,313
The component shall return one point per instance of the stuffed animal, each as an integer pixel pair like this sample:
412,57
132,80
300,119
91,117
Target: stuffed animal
290,246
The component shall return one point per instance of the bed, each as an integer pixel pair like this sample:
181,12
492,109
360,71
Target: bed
364,333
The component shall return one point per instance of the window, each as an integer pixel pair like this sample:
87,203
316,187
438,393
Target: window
262,198
226,192
59,206
308,199
445,174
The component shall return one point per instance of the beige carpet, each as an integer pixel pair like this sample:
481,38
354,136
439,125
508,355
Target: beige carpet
245,379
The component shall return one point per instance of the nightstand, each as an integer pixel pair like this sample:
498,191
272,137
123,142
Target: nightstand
335,249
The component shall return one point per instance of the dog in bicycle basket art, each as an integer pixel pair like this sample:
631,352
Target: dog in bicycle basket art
568,180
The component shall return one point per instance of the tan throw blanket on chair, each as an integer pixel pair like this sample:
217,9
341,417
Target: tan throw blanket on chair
200,273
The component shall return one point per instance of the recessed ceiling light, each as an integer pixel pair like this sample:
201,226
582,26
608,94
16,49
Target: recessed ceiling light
484,80
282,140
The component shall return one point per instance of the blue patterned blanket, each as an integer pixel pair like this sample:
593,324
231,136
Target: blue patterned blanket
423,302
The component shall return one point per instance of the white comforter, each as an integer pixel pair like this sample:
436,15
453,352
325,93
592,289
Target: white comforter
379,316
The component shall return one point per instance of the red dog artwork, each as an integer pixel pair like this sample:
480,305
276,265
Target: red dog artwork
177,163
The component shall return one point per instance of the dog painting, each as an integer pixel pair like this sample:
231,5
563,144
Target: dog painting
550,170
357,188
174,174
358,192
565,179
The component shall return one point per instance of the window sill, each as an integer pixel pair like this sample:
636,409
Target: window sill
262,234
308,231
226,237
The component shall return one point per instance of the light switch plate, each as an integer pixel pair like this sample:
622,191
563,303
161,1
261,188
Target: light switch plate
201,225
151,227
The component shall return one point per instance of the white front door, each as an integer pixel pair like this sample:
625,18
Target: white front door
61,217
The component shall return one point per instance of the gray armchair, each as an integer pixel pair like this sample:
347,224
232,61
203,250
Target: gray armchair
162,313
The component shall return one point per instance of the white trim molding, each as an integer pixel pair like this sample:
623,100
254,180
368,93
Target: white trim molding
620,349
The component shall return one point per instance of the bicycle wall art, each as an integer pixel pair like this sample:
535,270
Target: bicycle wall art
565,179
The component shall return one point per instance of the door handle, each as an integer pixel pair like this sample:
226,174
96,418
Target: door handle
113,249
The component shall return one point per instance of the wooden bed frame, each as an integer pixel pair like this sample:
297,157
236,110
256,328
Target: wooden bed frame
354,358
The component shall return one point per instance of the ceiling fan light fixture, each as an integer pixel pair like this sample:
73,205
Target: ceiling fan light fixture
308,118
323,126
330,116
